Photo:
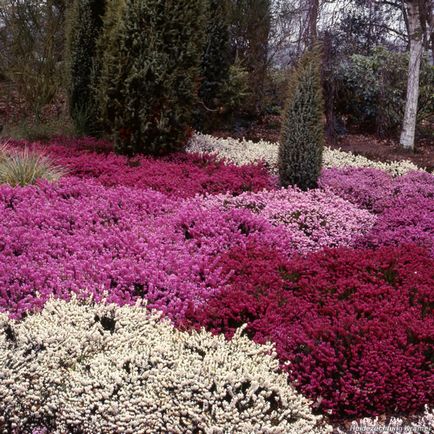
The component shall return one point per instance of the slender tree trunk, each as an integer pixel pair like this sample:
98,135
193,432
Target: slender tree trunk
329,88
431,36
416,50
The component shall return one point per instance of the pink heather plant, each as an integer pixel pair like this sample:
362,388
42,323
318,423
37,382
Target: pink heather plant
404,205
364,187
407,219
415,183
315,219
80,237
374,189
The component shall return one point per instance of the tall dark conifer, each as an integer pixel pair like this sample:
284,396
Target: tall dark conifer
150,53
84,27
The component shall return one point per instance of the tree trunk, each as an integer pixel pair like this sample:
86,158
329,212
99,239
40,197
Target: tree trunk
416,50
431,23
329,87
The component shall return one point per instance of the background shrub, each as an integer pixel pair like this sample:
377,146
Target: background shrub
302,137
31,38
84,26
371,90
250,32
215,66
148,86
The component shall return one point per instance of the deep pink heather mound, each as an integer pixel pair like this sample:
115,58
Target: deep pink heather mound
355,326
77,236
180,175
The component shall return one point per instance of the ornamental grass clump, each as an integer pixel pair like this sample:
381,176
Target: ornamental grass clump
103,368
20,168
302,137
4,151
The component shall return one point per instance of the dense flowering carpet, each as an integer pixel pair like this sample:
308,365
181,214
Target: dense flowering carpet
353,327
339,279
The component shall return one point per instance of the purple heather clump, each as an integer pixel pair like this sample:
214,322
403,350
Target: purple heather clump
364,187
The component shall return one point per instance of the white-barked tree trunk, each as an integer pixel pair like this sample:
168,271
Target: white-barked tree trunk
416,51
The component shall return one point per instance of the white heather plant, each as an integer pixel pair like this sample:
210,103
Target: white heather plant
243,151
239,152
102,368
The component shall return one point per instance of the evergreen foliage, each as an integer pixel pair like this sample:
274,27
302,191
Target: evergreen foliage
302,136
215,59
84,27
149,69
250,32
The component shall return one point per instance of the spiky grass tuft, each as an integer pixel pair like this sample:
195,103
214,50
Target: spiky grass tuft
20,168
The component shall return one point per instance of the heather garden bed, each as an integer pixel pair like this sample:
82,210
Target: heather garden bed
157,295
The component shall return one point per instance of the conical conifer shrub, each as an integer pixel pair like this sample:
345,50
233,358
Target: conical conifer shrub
302,136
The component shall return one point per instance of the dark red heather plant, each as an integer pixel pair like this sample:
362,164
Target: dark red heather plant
179,175
354,329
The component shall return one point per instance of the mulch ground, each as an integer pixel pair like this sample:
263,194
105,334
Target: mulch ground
388,150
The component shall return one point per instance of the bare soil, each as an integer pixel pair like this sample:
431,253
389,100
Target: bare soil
388,150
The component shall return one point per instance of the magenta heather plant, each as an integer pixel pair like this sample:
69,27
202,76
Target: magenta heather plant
353,328
407,219
363,187
404,205
80,237
374,189
180,175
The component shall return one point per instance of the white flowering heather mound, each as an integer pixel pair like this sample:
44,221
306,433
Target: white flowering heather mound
103,368
239,152
340,159
243,151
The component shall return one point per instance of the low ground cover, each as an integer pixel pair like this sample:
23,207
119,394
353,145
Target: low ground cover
339,280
